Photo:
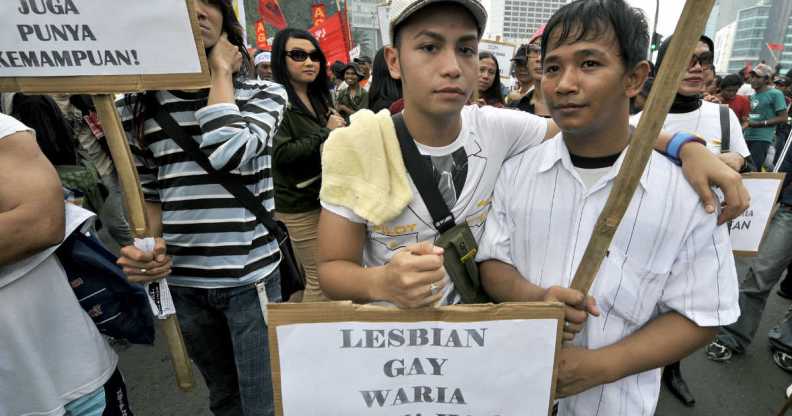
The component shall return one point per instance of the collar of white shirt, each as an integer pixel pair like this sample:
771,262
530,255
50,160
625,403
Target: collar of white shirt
556,151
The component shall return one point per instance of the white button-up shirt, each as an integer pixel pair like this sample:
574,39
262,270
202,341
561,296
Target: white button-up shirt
668,254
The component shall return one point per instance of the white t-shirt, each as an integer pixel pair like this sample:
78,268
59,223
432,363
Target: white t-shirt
705,122
466,171
668,254
50,350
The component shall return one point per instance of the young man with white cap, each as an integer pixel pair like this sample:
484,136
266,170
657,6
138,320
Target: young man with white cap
435,54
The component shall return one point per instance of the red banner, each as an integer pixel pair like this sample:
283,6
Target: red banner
775,47
332,39
270,12
318,14
261,36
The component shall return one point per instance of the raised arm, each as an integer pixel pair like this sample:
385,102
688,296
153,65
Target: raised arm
31,200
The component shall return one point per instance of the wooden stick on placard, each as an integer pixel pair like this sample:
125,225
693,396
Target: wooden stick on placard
686,37
133,200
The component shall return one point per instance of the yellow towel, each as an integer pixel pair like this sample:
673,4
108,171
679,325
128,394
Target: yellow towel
363,169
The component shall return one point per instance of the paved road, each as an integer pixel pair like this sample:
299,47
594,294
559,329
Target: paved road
750,385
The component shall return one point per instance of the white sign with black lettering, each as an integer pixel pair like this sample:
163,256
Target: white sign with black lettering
483,368
41,38
748,230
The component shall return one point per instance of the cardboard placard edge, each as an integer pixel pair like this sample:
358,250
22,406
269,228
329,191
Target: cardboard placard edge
280,314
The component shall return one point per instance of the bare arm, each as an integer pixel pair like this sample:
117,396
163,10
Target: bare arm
505,284
31,200
666,339
780,118
702,169
405,281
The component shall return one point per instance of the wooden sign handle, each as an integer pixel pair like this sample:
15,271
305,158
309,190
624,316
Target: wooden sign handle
688,31
133,201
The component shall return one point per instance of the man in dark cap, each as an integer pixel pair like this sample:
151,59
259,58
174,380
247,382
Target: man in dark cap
364,64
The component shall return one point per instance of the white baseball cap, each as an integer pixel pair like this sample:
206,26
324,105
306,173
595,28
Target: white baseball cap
400,10
262,58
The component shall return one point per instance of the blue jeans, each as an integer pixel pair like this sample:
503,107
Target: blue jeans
766,269
226,337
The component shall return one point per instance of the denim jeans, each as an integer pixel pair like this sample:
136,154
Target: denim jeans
226,337
766,269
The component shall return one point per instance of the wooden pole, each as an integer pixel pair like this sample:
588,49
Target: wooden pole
688,31
133,200
786,407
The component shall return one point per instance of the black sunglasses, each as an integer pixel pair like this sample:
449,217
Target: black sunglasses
706,59
298,55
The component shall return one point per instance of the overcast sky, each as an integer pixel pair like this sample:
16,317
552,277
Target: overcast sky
670,10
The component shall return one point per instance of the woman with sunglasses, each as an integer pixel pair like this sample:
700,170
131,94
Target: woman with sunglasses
299,65
489,85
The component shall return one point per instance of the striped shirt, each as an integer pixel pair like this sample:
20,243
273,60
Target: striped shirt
667,255
215,242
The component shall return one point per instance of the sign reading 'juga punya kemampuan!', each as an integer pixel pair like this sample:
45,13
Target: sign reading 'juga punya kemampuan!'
95,37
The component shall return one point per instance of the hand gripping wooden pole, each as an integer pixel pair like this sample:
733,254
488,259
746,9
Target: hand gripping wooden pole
688,31
133,200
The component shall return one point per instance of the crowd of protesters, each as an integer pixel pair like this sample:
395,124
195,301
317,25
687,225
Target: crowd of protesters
288,125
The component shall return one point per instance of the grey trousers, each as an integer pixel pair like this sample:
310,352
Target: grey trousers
765,271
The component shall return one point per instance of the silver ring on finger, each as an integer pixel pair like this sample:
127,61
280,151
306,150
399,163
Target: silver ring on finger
143,270
433,288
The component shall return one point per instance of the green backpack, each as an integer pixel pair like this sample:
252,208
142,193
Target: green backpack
84,181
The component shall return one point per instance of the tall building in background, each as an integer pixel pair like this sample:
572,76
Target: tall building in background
758,27
517,20
724,41
364,25
728,9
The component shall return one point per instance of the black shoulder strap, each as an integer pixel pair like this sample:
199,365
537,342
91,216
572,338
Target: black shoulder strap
238,190
422,175
725,128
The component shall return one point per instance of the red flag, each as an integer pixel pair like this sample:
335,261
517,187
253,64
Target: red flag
270,12
331,39
775,47
261,36
318,14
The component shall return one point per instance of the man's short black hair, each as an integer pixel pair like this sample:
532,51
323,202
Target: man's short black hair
731,80
592,19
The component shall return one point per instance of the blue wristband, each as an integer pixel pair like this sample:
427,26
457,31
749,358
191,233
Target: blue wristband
676,143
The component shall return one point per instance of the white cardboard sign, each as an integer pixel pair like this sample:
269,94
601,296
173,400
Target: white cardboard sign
748,230
481,368
47,38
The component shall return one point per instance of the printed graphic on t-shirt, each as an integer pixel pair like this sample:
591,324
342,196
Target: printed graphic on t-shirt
450,172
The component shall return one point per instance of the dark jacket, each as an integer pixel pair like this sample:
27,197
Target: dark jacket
297,163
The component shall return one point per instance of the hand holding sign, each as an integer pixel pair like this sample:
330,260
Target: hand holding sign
578,306
415,277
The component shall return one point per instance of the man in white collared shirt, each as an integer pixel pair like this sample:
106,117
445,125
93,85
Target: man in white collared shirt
668,280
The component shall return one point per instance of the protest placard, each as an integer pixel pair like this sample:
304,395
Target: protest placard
748,230
99,46
104,47
345,359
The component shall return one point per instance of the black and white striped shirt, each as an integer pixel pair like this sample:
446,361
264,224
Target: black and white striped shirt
215,242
